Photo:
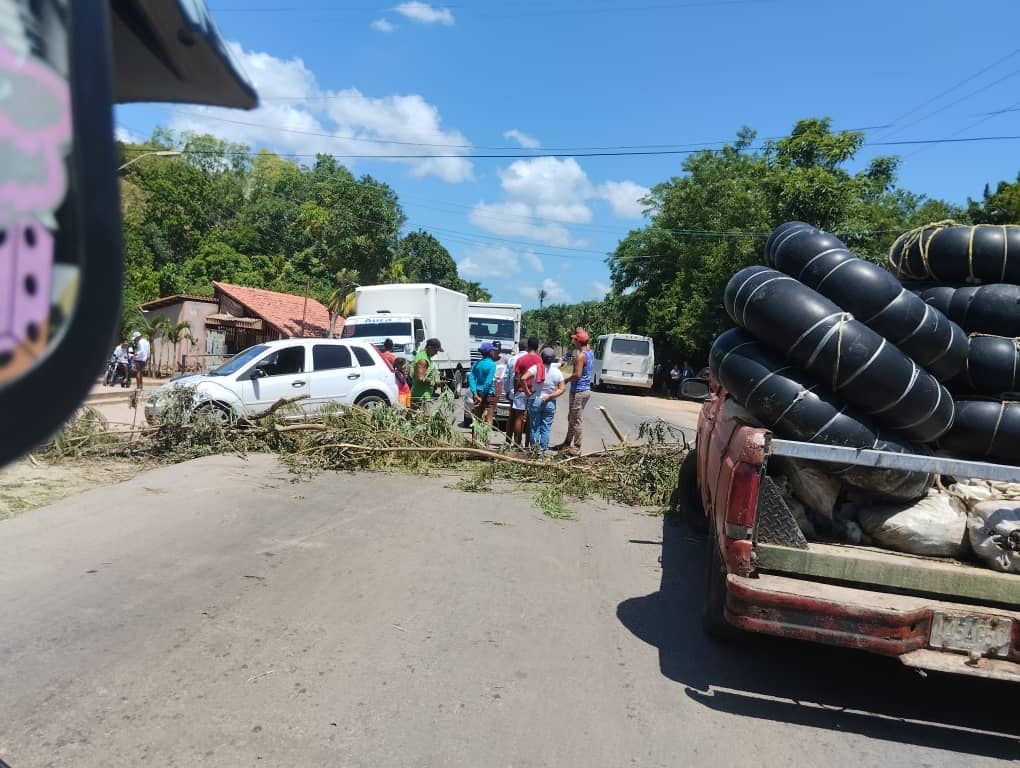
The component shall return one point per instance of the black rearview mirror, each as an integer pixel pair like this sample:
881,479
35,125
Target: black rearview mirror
60,249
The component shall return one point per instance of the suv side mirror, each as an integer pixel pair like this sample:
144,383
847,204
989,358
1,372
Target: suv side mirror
257,373
62,66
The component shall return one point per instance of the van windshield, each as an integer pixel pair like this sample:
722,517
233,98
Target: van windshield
637,347
388,329
238,361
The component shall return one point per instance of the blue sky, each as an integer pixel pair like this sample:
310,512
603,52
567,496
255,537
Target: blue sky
541,75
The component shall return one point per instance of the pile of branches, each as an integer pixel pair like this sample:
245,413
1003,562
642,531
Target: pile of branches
384,439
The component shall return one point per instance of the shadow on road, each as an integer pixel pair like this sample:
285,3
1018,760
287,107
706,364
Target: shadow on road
808,684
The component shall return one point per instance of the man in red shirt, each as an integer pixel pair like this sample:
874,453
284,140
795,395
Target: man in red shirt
529,373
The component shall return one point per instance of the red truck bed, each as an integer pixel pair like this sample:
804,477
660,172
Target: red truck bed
931,613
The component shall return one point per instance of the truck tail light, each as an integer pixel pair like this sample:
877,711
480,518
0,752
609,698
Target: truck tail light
742,507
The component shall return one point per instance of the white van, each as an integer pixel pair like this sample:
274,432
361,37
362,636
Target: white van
623,360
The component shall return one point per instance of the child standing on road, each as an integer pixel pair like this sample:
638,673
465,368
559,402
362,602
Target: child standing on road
403,385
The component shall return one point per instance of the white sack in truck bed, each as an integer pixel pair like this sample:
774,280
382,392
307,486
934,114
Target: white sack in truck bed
993,524
935,525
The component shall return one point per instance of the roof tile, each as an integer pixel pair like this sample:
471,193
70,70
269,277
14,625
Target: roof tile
283,311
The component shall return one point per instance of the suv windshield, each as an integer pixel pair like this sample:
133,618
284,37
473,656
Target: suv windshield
376,330
488,328
637,347
238,361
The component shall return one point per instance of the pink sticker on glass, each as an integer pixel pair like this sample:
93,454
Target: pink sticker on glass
35,134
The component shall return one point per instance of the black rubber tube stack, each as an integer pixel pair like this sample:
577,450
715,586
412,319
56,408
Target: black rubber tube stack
980,266
985,429
793,406
946,253
852,360
993,309
871,294
993,367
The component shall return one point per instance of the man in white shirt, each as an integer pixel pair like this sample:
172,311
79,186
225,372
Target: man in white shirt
122,356
553,386
141,355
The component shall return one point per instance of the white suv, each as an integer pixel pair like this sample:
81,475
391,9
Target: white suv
327,370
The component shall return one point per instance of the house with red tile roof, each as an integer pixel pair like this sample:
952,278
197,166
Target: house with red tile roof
234,318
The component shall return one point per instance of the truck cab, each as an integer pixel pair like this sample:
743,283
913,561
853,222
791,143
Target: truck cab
406,331
931,613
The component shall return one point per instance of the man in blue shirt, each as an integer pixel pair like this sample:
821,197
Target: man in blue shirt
482,383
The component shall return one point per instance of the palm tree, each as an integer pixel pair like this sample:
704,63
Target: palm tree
175,333
543,294
341,300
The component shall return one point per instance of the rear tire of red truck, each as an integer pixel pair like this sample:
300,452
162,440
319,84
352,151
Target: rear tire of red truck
713,616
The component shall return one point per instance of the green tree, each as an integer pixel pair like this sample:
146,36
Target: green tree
1002,207
554,324
474,291
425,260
350,223
341,299
668,277
216,260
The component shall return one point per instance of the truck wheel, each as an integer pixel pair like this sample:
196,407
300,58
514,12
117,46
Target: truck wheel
688,497
713,617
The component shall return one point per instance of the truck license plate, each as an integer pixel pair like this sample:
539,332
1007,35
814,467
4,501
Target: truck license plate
984,635
627,373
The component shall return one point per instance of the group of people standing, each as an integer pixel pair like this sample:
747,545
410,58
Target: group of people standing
131,359
532,382
530,378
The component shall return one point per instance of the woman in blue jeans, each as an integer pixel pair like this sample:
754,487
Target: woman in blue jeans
542,409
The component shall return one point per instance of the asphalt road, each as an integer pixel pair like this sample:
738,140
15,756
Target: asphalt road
218,613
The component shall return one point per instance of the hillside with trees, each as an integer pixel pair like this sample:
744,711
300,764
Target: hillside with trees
220,212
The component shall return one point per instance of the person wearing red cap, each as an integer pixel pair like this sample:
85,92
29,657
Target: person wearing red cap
580,390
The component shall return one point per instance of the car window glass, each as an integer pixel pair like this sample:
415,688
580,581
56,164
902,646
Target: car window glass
365,358
327,357
284,361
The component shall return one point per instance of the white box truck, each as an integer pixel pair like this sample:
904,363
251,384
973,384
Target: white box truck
410,313
494,322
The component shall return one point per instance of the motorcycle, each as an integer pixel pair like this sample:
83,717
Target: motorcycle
118,373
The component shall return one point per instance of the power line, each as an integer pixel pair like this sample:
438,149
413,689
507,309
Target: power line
952,104
953,87
625,153
541,12
342,137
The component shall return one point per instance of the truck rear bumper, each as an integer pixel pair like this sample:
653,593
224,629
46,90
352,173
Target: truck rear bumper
887,624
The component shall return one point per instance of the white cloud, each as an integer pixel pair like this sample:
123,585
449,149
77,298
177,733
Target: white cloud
546,194
425,13
496,260
382,25
512,219
545,180
481,261
554,292
526,141
532,260
125,136
346,122
624,198
599,289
